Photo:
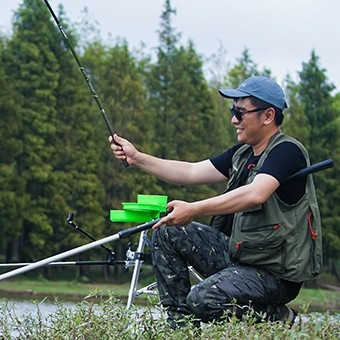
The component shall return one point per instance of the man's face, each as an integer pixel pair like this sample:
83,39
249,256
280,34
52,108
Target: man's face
249,128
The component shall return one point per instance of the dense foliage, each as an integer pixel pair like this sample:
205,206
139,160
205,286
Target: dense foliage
55,156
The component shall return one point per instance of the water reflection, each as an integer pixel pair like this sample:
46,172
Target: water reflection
22,307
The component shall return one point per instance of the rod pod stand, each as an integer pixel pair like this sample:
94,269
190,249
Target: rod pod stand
120,235
76,227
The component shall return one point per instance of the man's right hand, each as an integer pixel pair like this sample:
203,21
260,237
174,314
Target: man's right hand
171,171
123,149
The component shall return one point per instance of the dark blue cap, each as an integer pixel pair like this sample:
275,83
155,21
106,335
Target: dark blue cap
259,87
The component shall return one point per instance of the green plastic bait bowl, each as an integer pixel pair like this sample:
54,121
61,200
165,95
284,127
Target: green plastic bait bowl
152,199
132,216
147,208
143,207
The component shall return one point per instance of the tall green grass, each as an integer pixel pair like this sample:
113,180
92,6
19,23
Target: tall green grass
109,319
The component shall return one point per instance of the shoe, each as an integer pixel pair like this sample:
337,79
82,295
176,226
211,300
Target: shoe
299,321
290,321
284,314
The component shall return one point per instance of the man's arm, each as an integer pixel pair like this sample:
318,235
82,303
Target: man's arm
240,199
177,172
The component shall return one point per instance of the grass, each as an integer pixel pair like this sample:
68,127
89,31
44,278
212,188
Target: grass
66,290
317,300
112,321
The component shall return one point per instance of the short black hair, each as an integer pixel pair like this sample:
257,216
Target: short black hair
260,103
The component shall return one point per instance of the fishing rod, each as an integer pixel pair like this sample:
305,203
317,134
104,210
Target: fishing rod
108,262
83,71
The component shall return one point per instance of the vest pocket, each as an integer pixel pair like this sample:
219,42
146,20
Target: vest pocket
315,241
267,253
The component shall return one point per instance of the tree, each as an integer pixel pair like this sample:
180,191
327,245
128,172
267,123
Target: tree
181,105
322,111
34,70
244,68
77,171
12,199
161,89
59,159
295,121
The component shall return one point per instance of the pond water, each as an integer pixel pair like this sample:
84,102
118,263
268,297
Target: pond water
22,307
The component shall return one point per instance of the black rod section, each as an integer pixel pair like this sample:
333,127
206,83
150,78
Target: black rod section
323,165
83,71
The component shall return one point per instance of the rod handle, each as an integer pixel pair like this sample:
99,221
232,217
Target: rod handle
133,230
70,217
323,165
112,132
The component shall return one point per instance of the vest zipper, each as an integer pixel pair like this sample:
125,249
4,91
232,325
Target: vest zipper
259,246
265,227
311,229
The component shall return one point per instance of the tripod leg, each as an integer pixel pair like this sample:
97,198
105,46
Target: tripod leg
136,270
133,292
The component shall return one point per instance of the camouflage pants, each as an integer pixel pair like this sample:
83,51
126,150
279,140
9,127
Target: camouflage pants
227,287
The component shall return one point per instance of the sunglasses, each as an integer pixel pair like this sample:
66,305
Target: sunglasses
239,114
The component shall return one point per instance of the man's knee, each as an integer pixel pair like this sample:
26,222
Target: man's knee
196,302
222,293
202,303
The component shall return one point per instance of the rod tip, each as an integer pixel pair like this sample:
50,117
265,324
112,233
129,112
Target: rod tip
70,217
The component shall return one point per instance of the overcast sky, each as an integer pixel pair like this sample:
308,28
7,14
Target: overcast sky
280,34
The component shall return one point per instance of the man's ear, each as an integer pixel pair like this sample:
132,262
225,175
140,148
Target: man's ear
269,115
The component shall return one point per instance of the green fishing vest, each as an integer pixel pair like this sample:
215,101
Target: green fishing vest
281,238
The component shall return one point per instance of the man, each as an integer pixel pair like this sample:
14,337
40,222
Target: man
265,237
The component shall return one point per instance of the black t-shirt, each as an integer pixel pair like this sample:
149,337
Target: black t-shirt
282,161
